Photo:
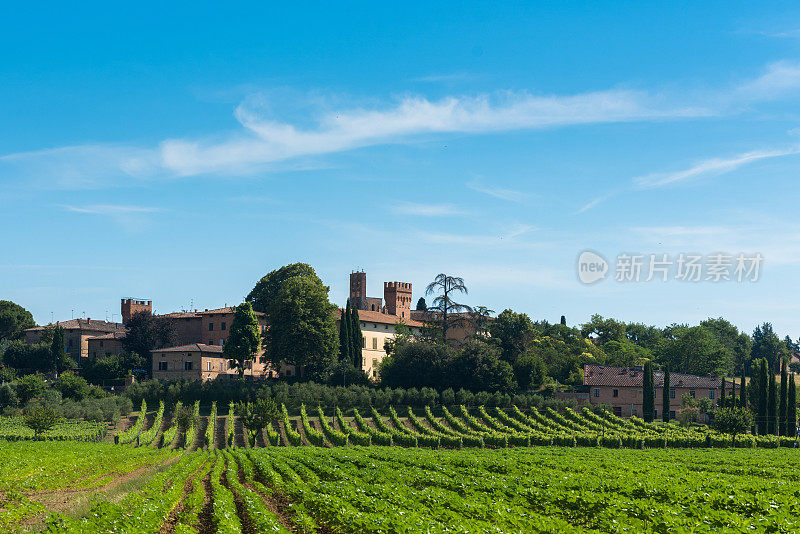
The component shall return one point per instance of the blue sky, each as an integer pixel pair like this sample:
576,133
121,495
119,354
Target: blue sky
179,152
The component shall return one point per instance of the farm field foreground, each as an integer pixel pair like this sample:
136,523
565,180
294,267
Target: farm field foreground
94,487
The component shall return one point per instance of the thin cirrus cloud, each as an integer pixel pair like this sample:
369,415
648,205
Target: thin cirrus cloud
502,193
427,210
132,219
264,140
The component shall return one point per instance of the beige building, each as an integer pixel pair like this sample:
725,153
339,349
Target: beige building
621,387
199,361
376,329
106,345
77,333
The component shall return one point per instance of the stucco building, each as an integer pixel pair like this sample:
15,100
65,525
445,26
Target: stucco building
77,333
199,361
621,387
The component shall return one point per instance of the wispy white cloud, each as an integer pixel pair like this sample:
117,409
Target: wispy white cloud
508,237
444,78
427,210
710,167
130,218
268,140
510,195
321,128
594,202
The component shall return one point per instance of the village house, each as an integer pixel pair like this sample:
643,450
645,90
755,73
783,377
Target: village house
199,361
77,333
621,387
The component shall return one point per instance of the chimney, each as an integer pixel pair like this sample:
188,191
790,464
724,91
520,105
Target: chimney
88,320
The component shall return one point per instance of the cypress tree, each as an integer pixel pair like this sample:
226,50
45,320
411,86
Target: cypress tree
344,334
791,409
762,396
743,388
665,397
782,400
347,318
721,402
648,395
357,338
772,403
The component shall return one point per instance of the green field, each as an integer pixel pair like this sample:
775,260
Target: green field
85,487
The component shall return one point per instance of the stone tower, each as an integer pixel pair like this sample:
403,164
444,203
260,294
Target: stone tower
130,307
397,296
358,289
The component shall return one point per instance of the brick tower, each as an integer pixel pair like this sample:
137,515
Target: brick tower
397,296
358,289
130,307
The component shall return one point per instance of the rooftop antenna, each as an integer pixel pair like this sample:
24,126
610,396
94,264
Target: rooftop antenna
51,318
72,314
106,315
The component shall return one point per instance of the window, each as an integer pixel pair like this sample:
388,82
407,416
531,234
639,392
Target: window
288,372
94,355
101,344
596,392
615,393
691,393
386,327
374,363
671,393
672,414
221,341
364,325
711,394
363,342
209,366
618,411
655,414
210,327
162,366
187,366
374,343
222,326
210,341
363,362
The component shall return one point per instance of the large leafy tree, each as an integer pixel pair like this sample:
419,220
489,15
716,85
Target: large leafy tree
266,290
513,332
13,320
732,421
480,368
693,350
143,333
604,330
244,338
302,325
729,337
444,307
767,345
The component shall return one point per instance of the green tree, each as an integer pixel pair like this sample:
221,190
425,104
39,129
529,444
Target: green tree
743,389
529,370
762,396
665,397
772,411
258,415
513,332
143,333
73,387
693,350
732,421
356,338
40,418
648,393
782,400
302,325
244,338
421,304
29,387
791,409
767,345
479,368
266,290
604,330
14,319
345,349
446,310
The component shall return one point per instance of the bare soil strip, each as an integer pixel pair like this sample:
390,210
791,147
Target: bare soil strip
279,428
222,432
244,518
205,519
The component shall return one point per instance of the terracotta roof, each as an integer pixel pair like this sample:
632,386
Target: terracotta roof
229,309
178,315
607,375
110,335
83,324
382,318
194,347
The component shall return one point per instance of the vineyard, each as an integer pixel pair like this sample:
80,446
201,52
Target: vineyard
396,489
440,428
